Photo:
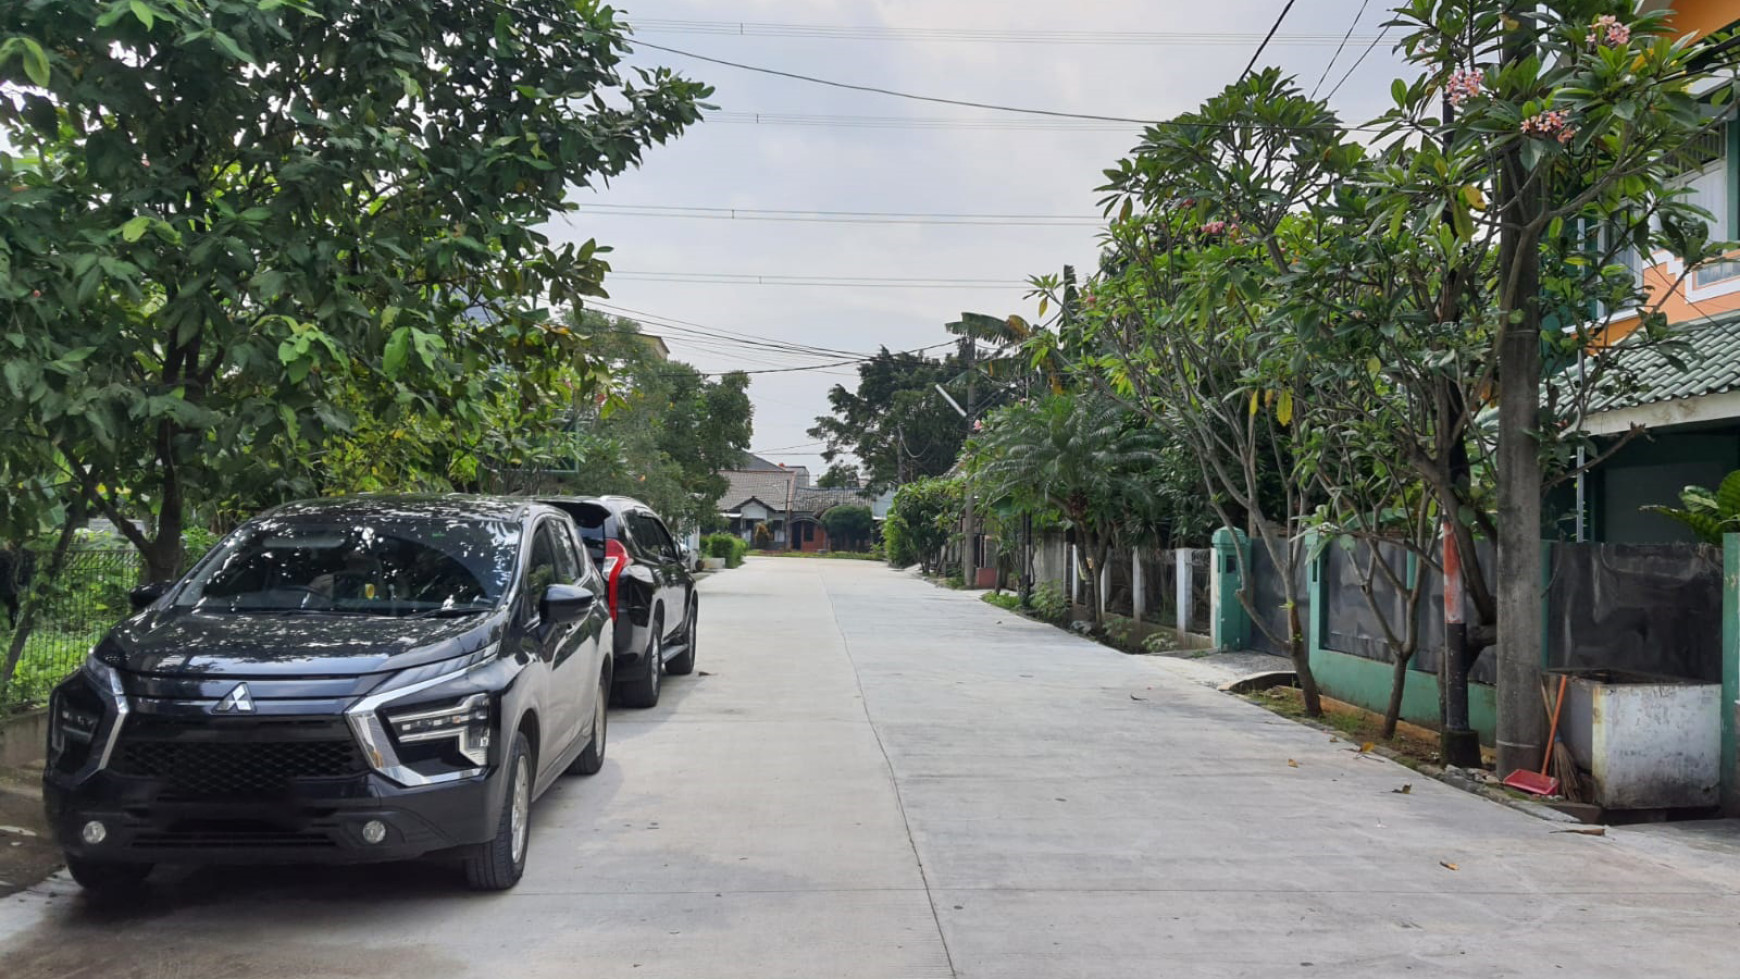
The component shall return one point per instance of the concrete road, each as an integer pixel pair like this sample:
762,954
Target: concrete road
879,778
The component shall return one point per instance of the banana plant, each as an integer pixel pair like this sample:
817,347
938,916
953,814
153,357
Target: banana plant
1708,514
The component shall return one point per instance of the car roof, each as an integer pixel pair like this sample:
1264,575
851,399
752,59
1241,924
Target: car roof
615,504
453,506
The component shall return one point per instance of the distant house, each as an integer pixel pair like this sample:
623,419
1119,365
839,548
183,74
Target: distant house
781,497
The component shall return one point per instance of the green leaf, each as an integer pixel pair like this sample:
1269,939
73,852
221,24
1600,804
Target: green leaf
1728,497
1284,407
142,12
398,348
135,229
223,42
35,62
1399,92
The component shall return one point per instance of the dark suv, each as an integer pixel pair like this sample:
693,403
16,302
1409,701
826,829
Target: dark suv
652,593
347,680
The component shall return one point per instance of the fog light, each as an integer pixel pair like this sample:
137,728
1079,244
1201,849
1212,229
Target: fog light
374,831
94,832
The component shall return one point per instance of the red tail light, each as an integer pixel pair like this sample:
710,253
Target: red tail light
615,559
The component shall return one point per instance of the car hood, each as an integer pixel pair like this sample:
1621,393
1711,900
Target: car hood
189,642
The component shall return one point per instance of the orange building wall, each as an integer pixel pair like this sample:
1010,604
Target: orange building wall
1668,294
1704,16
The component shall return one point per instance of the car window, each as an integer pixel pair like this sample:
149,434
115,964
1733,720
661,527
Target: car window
651,536
542,571
567,562
592,521
363,565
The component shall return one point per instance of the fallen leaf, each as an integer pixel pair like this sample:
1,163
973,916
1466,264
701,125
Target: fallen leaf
1292,764
1585,831
1406,789
1366,747
703,672
1448,866
1134,697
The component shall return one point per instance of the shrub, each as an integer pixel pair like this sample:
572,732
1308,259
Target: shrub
739,548
1121,632
1049,602
1003,600
719,545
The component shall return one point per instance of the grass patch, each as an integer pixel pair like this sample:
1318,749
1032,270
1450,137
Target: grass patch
1003,600
826,555
1412,746
49,655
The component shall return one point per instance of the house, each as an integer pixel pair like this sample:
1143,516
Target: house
1687,399
781,497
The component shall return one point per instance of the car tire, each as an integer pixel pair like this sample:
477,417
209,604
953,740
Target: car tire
498,864
684,664
106,876
643,690
592,759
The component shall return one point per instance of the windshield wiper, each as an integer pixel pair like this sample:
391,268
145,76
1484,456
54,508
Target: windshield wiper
445,610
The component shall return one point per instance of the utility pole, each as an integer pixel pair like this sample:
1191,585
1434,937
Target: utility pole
1521,724
969,557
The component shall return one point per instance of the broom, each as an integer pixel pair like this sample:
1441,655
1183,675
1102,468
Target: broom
1571,784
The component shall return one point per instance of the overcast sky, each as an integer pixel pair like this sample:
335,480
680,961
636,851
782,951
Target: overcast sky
1188,52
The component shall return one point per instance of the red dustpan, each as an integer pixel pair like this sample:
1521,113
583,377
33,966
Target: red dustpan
1540,783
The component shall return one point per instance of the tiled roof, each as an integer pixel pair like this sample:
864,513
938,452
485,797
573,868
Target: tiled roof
817,500
772,488
1708,362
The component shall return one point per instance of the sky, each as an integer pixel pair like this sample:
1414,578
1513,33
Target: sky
1168,56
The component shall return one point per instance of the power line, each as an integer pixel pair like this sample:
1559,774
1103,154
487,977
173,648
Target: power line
842,217
887,91
991,106
1363,55
1339,47
1266,39
859,282
952,123
853,32
677,324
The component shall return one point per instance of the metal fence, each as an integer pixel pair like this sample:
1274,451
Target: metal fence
78,606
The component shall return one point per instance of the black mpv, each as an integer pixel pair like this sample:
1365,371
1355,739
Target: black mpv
347,680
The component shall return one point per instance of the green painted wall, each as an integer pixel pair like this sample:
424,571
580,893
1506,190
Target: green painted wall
1366,683
1730,669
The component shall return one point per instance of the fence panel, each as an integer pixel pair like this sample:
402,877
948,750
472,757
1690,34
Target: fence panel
1269,596
84,600
1641,608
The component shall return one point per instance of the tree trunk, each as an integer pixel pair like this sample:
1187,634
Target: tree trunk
1398,688
1299,651
1521,728
163,557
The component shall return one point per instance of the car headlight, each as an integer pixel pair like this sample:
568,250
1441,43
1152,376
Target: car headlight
467,724
76,711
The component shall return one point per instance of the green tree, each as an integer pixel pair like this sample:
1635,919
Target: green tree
895,423
840,475
218,209
849,527
923,518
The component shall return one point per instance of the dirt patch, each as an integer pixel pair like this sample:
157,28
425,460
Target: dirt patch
1413,745
27,854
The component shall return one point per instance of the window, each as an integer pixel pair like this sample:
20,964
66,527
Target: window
567,564
649,535
1703,170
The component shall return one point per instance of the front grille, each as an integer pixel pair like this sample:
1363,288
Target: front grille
203,760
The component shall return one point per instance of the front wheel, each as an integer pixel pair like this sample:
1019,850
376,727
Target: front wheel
684,664
106,876
498,864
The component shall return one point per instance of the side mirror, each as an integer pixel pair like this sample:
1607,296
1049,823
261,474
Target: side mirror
565,603
143,596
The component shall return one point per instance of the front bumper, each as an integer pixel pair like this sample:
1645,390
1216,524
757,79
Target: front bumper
312,821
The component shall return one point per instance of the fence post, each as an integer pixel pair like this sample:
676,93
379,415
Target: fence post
1232,626
1730,704
1105,583
1184,589
1138,587
1316,560
1074,576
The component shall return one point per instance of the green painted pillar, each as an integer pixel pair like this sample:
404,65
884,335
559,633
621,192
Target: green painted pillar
1317,613
1730,670
1231,626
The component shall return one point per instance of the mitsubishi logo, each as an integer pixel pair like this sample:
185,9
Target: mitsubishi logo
237,701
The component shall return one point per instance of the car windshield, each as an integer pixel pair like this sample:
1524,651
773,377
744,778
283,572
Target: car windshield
398,566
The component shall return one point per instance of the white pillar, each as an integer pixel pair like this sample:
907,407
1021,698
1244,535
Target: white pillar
1138,598
1184,589
1105,582
1074,576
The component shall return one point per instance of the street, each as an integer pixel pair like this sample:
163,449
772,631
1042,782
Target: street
870,776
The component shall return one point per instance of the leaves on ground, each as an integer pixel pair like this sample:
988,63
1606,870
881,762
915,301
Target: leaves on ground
1585,831
1292,764
1448,866
1406,789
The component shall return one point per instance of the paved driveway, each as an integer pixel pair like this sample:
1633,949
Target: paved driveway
879,778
